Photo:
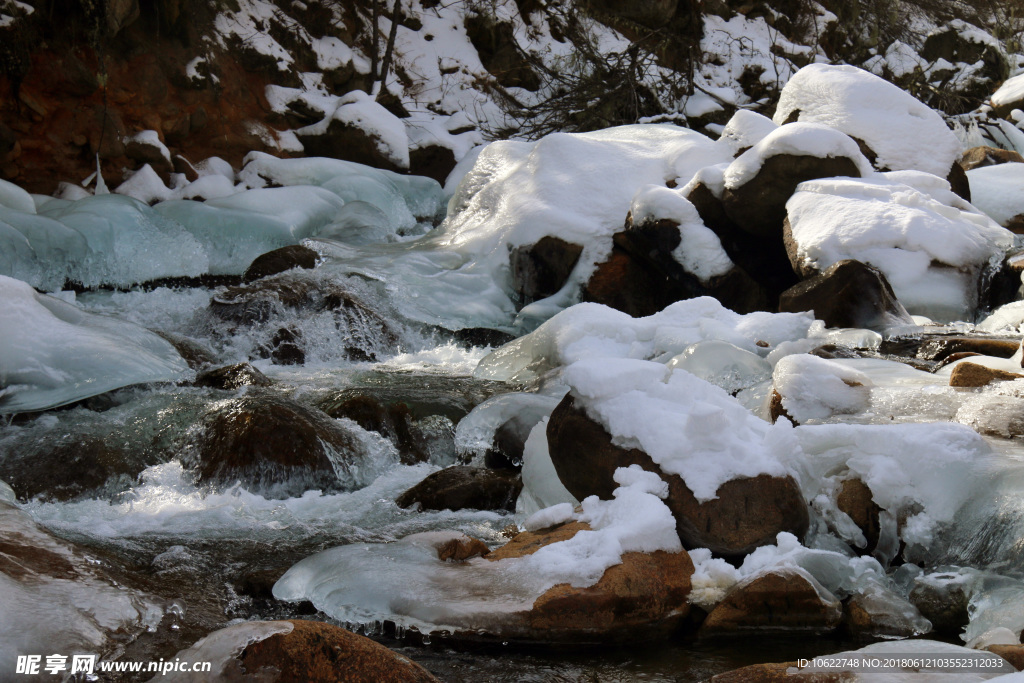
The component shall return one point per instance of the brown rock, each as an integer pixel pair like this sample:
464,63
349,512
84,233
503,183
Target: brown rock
848,294
777,410
941,347
780,673
541,269
969,374
393,421
270,444
878,613
346,141
463,487
315,652
145,153
462,549
748,512
783,599
857,501
73,467
977,157
643,597
942,603
233,377
432,161
1014,654
759,206
280,260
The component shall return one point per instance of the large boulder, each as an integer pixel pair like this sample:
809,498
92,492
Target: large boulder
642,597
359,130
393,421
747,513
848,294
463,487
761,180
298,650
270,444
786,599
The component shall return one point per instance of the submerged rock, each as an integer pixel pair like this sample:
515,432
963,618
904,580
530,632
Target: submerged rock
642,597
783,672
280,260
270,444
233,377
462,487
785,600
848,294
748,512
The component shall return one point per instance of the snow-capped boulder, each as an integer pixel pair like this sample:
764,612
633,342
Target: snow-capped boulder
666,254
901,132
935,249
787,600
760,181
814,388
727,486
359,130
848,294
1009,96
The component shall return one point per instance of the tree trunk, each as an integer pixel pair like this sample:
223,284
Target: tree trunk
389,50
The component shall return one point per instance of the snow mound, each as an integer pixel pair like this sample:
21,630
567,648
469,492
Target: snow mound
359,110
903,132
688,426
998,191
932,252
796,139
744,130
52,353
1012,90
814,388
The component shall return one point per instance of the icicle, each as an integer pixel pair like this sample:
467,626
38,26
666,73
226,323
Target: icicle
101,186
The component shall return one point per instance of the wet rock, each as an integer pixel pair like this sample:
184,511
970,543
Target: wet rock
642,277
785,599
645,596
286,347
942,600
940,348
299,650
195,354
270,444
785,672
748,512
74,467
977,157
857,501
506,451
1014,654
763,258
759,206
1005,286
482,336
463,487
232,377
969,374
541,269
462,549
848,294
878,612
393,421
280,260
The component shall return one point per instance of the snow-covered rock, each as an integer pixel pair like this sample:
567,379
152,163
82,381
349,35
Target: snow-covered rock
999,191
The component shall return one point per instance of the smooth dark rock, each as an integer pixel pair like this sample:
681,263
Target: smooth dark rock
462,487
848,294
280,260
780,600
233,377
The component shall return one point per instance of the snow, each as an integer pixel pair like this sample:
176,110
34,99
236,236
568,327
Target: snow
687,426
1011,91
359,110
222,648
150,138
542,488
549,517
146,186
796,139
903,132
998,190
53,353
589,330
932,252
744,130
814,388
699,251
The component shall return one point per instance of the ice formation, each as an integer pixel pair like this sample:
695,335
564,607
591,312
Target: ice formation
53,353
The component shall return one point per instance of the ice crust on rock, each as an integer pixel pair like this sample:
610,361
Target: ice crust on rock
932,251
795,139
596,331
407,583
904,133
814,388
53,353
